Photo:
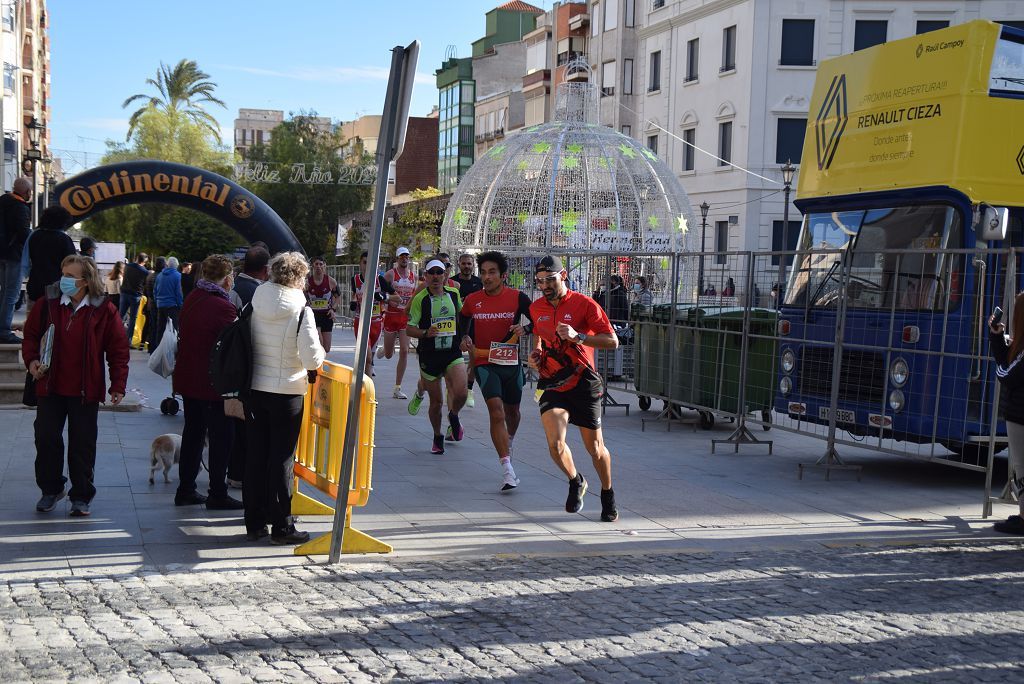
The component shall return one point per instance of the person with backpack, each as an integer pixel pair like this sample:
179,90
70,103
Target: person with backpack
207,311
15,216
49,244
285,345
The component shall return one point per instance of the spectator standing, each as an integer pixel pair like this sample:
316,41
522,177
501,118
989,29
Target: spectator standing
206,312
47,249
188,278
87,247
254,274
286,345
112,284
15,216
86,330
730,288
167,290
149,329
1009,354
132,286
642,294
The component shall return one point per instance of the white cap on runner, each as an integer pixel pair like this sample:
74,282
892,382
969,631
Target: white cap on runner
436,263
401,251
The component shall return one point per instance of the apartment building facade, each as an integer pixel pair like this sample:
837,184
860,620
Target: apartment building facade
25,111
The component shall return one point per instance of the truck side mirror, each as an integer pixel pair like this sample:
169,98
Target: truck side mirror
993,223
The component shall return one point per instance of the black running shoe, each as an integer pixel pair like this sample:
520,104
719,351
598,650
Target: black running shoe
455,431
577,490
609,513
438,445
1012,525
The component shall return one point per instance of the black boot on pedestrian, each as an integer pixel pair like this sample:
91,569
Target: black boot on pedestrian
190,499
1012,525
292,536
223,503
609,513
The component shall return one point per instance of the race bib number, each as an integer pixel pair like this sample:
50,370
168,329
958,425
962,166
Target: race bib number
376,311
319,303
504,354
405,300
445,326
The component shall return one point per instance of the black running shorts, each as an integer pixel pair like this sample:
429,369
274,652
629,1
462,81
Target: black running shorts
324,323
583,407
505,382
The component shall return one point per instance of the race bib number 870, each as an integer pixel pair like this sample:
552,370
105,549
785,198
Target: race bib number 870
445,326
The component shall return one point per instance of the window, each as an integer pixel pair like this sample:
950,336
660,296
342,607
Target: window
657,4
595,23
630,13
797,42
536,57
627,131
1013,24
689,140
9,71
608,78
729,49
627,77
652,143
791,237
789,140
692,58
8,15
725,143
611,14
721,240
927,25
654,81
869,32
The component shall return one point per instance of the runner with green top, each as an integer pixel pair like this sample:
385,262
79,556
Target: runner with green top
434,320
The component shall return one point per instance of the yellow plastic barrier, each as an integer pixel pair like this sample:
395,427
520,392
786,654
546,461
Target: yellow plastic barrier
318,456
140,323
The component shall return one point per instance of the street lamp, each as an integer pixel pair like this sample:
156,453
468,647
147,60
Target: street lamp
47,163
34,155
787,182
704,209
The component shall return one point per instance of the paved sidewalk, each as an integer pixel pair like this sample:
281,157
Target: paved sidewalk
673,496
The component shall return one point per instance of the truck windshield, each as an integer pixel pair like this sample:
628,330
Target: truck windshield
1007,74
878,279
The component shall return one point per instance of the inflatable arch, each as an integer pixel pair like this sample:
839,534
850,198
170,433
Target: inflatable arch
149,181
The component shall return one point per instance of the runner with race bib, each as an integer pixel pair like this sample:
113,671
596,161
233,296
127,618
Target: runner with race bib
396,317
494,329
380,296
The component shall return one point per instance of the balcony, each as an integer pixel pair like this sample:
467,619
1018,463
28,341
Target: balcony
579,21
479,138
499,133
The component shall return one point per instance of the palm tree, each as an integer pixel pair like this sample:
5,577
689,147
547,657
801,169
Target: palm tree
181,90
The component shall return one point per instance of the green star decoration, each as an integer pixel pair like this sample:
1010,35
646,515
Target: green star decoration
653,222
569,220
496,151
664,264
602,162
682,225
627,151
460,217
570,162
650,155
574,148
522,216
612,224
542,148
522,165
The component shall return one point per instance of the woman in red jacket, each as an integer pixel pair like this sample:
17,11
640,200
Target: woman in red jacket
205,313
86,328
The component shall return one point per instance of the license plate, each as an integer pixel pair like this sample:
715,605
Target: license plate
842,415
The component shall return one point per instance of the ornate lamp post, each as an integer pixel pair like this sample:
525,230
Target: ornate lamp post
704,209
787,181
34,155
47,163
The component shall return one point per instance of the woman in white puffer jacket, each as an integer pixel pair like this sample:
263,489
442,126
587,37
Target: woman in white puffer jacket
285,345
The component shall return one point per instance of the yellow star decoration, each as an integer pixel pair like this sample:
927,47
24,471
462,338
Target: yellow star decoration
682,225
627,151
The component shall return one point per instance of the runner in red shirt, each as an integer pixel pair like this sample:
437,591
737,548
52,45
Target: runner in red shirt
568,327
403,280
494,328
382,293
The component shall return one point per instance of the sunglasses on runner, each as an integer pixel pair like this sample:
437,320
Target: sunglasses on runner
436,271
544,280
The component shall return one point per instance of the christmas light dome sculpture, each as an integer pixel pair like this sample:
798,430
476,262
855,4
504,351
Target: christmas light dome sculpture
570,186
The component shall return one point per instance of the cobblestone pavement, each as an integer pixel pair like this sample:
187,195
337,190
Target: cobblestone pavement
917,613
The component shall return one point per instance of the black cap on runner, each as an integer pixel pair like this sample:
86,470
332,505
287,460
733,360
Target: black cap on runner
549,263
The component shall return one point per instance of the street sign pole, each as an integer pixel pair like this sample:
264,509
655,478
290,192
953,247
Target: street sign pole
392,140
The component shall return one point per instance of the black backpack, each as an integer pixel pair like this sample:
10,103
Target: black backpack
231,357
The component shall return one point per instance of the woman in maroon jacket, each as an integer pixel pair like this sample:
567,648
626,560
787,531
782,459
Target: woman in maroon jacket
205,313
86,328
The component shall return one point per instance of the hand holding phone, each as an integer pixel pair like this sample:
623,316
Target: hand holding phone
995,321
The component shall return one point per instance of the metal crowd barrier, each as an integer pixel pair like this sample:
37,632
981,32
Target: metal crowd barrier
318,456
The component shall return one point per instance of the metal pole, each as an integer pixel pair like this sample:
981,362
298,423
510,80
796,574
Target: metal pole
703,242
785,242
35,196
384,152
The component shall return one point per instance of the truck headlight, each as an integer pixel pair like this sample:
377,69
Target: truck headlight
899,372
896,400
785,386
788,361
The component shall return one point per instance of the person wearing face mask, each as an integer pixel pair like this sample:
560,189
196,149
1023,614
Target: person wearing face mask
206,312
642,295
87,330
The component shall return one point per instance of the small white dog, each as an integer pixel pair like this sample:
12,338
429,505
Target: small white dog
166,451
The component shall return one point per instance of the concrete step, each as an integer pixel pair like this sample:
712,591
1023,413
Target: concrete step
12,372
10,353
11,393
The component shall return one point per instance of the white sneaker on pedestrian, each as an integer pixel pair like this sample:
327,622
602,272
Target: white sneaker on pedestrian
469,400
398,393
234,484
380,352
509,479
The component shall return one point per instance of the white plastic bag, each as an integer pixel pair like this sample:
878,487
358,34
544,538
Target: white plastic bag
163,358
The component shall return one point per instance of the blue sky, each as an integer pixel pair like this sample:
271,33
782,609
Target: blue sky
329,56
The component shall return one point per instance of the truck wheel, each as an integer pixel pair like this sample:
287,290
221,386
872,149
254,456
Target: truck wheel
707,420
645,402
766,419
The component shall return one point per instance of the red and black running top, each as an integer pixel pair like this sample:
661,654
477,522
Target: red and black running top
563,362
